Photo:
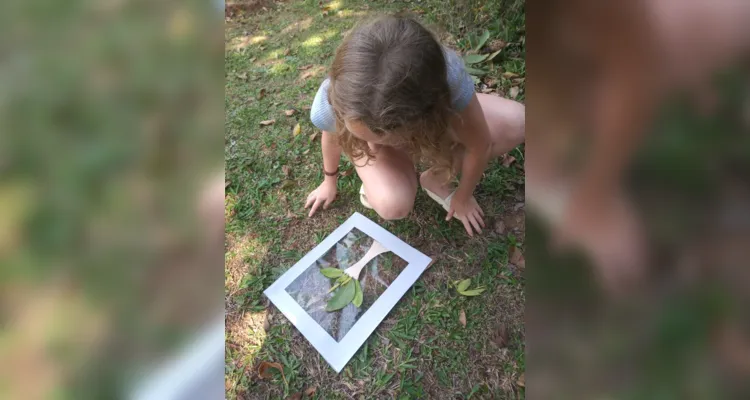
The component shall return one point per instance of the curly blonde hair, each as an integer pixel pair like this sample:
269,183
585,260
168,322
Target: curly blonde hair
390,74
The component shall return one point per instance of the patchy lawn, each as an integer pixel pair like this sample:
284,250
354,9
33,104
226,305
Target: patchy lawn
276,57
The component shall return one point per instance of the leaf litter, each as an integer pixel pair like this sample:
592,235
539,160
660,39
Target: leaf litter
265,367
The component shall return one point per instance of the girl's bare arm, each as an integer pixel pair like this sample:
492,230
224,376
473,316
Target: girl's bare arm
331,153
473,132
324,194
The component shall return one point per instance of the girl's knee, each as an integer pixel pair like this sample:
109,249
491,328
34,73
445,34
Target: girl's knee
508,141
393,214
393,207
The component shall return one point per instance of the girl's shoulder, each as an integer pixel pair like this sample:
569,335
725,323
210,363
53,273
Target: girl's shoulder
459,81
321,112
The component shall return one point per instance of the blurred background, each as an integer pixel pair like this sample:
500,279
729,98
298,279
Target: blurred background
111,191
674,324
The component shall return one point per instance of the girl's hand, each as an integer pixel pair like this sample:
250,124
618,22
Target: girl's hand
322,196
468,212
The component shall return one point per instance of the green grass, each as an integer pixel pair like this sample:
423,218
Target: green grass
275,61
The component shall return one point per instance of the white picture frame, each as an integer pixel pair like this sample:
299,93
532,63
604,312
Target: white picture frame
338,353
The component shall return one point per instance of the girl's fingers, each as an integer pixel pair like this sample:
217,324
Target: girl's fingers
481,212
473,219
311,198
315,206
450,214
480,219
327,203
467,226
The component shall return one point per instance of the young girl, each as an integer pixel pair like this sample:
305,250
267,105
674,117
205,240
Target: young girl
396,97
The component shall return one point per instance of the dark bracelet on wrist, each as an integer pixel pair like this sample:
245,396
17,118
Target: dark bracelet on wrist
334,173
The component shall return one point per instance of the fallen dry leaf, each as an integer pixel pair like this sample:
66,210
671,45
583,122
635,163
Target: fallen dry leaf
226,184
304,67
508,160
267,122
242,76
462,318
514,92
509,75
297,129
306,151
261,94
287,171
499,227
516,257
500,338
264,369
490,82
267,324
296,396
487,90
515,223
496,45
521,381
289,113
309,392
313,136
287,51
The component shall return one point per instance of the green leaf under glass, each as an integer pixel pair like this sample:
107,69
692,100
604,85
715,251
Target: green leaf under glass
331,272
343,296
358,297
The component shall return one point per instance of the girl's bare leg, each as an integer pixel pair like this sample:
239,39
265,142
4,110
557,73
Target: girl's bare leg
506,120
390,183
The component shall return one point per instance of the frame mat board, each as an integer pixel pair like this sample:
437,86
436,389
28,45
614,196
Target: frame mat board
338,354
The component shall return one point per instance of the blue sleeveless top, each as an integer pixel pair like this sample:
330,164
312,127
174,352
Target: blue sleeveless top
459,82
